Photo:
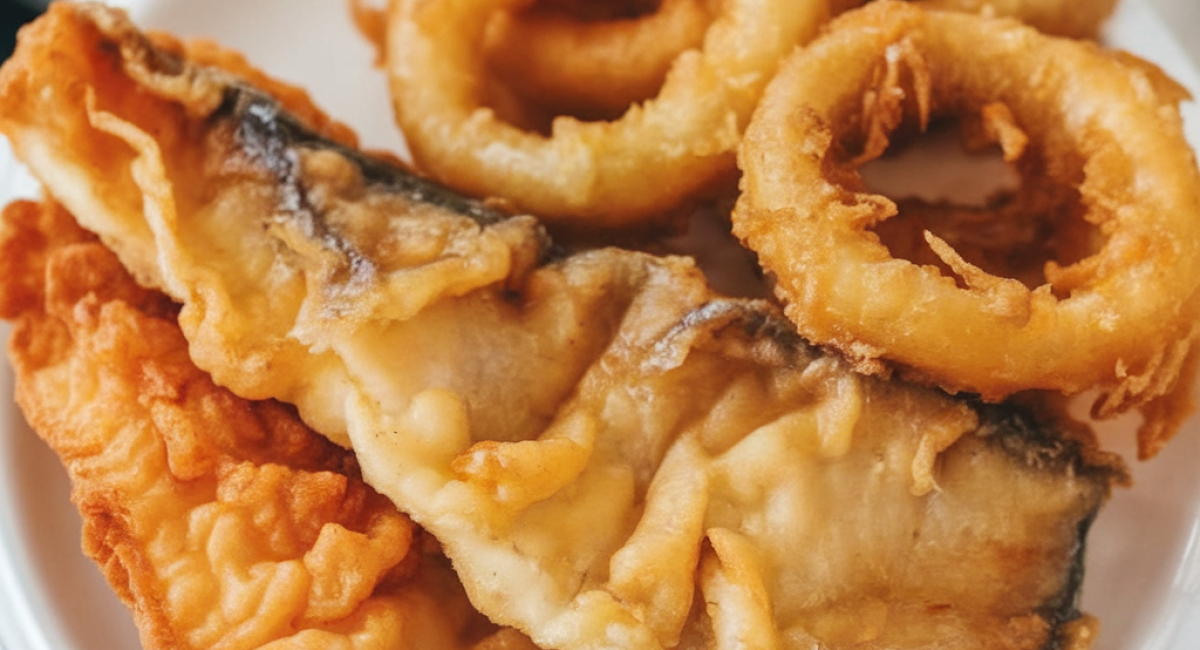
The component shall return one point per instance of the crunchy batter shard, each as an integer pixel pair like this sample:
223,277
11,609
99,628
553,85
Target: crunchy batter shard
610,454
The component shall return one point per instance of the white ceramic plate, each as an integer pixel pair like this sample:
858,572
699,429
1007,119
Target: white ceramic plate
1143,569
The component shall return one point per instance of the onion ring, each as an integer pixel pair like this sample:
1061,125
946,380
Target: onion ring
592,67
1104,126
1071,18
618,174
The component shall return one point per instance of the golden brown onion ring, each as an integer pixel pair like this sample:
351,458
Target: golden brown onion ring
592,67
1103,125
596,174
1071,18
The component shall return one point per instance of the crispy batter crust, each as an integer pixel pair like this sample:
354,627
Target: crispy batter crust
1096,137
610,454
220,522
629,173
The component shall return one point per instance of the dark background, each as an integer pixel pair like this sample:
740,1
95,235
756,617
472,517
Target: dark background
13,14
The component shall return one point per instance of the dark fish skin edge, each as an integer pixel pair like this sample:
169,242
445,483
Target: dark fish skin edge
1017,432
271,136
1010,427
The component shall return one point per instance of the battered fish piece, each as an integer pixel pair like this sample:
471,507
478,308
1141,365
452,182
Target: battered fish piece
610,454
221,523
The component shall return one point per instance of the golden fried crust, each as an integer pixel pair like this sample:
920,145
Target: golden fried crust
612,455
220,522
162,52
1121,296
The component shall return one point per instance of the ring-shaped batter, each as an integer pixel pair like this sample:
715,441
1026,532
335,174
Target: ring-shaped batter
592,67
621,173
1105,124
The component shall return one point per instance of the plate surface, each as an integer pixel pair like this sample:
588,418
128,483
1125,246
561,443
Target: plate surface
1143,568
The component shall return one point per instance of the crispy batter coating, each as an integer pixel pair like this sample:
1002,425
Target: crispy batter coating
226,523
630,173
221,523
1097,139
610,454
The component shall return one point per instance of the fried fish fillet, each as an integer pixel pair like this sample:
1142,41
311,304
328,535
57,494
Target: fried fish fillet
222,523
610,454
